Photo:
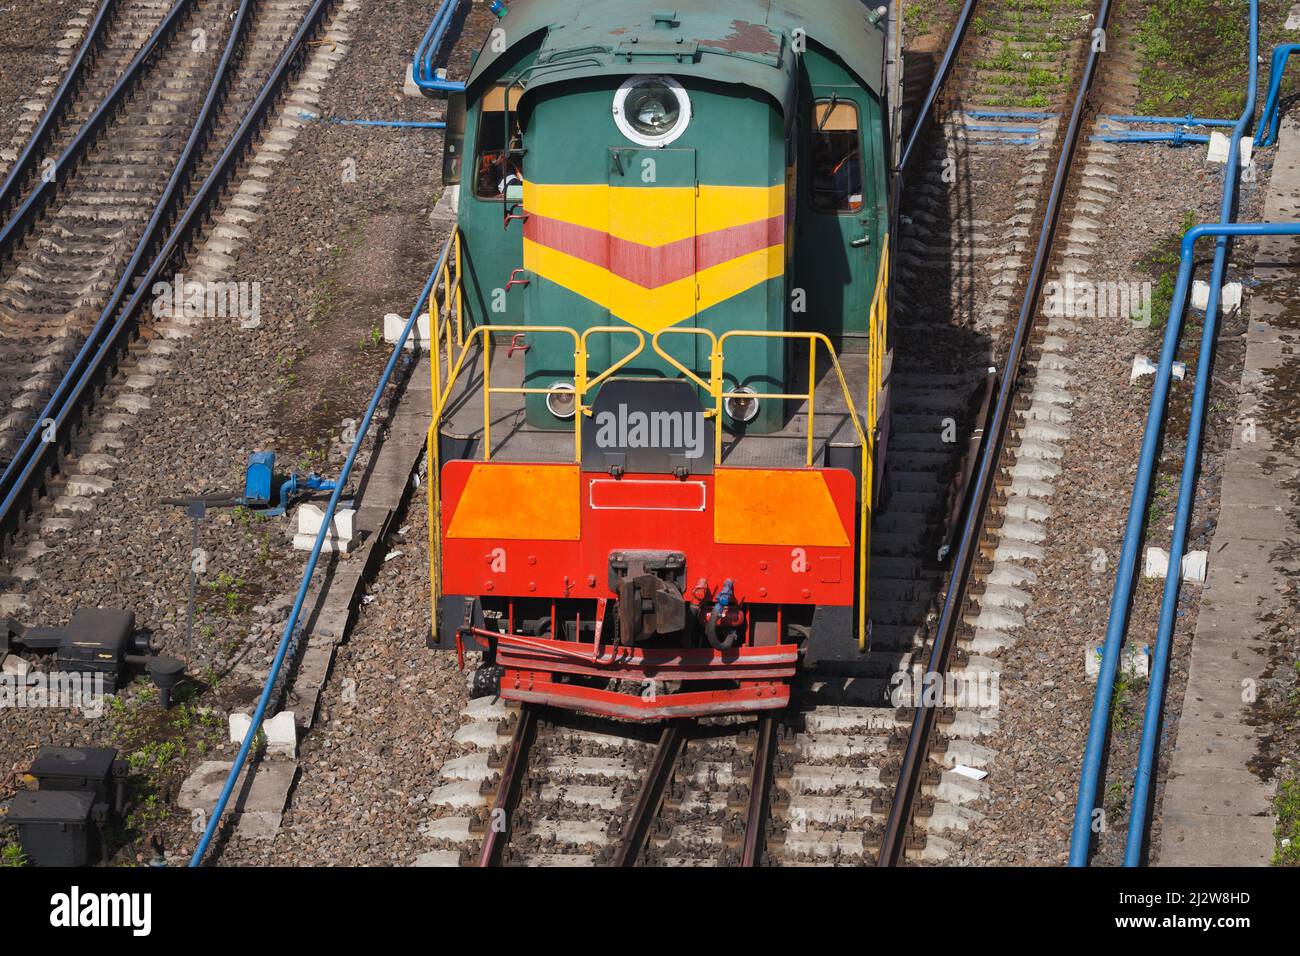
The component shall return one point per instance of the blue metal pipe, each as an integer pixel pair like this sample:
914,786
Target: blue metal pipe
398,124
1177,138
1266,135
422,71
1188,120
1121,597
1186,498
286,640
997,114
1191,462
1032,130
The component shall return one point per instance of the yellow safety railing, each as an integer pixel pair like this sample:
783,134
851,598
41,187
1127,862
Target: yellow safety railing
479,339
716,389
447,334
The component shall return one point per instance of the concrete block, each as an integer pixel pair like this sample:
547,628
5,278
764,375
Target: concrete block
1229,296
1133,661
1194,566
394,323
259,804
1143,366
409,86
448,206
310,519
281,734
239,724
1221,146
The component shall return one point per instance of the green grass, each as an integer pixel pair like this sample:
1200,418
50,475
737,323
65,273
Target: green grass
1194,54
1287,832
1161,263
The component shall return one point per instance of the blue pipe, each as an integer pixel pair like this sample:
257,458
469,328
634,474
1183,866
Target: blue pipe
1188,120
1033,130
1177,138
1186,497
292,623
398,124
422,71
1191,461
996,114
1266,135
1121,597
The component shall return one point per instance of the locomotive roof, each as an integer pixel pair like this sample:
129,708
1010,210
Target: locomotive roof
730,41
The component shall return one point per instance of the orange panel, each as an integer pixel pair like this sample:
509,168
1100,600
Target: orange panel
517,502
776,507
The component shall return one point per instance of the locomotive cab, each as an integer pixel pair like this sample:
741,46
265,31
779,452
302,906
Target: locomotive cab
660,392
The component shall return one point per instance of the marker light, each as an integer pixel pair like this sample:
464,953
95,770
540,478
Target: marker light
740,408
562,400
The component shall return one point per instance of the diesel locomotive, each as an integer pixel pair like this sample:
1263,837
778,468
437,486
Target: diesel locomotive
661,387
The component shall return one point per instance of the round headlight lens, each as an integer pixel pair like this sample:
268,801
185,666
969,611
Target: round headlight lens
652,110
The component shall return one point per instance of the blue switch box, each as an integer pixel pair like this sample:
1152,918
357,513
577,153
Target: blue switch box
258,479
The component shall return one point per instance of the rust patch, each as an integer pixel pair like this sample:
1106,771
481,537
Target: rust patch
749,38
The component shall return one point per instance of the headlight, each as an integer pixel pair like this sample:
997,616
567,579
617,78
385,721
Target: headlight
562,400
740,408
652,110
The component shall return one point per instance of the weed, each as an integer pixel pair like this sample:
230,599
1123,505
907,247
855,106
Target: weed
1287,832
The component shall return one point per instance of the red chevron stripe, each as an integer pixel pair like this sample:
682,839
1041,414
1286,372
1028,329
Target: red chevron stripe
653,266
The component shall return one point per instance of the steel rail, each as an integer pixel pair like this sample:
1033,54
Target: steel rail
497,837
40,139
937,84
918,745
29,210
760,781
92,365
651,797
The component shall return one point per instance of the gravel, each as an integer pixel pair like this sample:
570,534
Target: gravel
331,258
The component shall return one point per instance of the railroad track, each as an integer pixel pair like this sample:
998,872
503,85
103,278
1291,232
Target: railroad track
136,182
852,774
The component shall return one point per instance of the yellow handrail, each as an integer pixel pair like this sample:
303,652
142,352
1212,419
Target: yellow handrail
451,305
588,385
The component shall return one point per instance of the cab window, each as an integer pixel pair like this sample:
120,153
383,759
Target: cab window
499,158
836,157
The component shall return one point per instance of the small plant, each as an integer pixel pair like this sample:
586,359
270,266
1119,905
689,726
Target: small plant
12,855
1287,832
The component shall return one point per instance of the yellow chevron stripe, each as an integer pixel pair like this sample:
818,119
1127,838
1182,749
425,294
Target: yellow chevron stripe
655,216
655,309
